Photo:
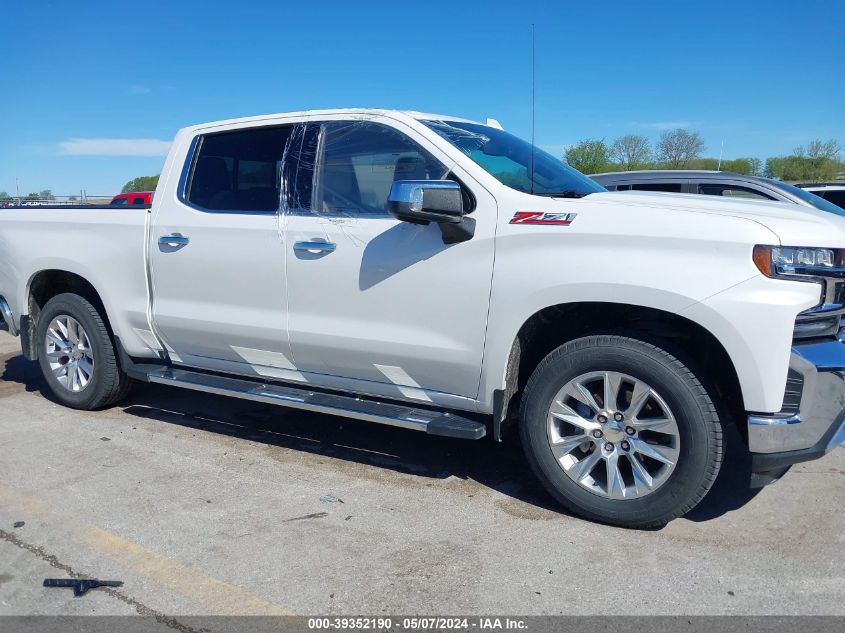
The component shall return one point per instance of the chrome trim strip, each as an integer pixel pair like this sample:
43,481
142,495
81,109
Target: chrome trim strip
8,318
760,420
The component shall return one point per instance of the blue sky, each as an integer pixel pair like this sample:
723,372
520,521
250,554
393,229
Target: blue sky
95,90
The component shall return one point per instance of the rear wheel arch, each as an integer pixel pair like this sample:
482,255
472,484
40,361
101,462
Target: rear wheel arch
48,283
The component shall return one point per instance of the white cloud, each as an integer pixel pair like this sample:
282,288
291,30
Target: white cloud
114,147
665,125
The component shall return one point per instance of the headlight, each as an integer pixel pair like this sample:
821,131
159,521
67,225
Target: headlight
795,262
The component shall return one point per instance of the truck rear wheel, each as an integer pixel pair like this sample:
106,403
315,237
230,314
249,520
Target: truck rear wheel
77,355
620,431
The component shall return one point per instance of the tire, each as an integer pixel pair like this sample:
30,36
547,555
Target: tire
626,487
106,382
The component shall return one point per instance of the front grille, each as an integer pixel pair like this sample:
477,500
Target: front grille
825,319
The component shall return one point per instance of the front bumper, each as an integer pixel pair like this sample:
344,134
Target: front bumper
812,422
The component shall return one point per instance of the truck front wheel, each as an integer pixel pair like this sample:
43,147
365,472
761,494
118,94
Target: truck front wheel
620,431
77,355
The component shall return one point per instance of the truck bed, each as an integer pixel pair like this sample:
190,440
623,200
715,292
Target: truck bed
102,244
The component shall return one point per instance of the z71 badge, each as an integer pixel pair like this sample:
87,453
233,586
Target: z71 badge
539,217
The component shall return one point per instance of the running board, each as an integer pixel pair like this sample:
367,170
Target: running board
432,422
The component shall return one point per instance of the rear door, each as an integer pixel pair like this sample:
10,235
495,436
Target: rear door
217,259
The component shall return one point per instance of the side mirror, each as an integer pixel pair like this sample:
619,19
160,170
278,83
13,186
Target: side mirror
426,201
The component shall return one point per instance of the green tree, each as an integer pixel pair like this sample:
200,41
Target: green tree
32,196
4,195
676,148
142,183
818,162
631,151
590,156
46,194
824,149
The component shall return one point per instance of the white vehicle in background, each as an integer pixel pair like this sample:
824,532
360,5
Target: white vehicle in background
442,275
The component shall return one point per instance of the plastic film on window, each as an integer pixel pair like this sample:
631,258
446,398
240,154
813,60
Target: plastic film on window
342,171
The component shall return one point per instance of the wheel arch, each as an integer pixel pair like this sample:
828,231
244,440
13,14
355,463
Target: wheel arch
46,284
550,327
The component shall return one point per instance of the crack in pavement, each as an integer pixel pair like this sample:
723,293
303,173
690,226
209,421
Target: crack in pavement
139,607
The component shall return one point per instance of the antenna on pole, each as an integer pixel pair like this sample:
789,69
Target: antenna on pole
721,151
533,65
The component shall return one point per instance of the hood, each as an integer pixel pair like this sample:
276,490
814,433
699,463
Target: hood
795,225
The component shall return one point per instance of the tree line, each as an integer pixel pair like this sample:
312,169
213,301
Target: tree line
819,161
141,183
45,194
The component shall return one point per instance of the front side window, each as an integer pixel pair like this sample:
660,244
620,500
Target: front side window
358,162
239,171
119,201
514,162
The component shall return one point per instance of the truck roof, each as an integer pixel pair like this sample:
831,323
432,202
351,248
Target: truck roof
334,111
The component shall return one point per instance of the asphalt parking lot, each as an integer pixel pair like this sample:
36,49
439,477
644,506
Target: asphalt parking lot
203,505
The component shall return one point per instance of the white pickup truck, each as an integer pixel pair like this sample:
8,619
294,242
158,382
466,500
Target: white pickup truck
442,275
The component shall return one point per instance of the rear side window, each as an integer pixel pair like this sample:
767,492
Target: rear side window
672,187
239,171
138,200
732,191
117,201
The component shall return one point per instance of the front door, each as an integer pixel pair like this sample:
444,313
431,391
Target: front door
374,299
217,257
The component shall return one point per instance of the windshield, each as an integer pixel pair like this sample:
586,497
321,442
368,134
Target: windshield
810,198
509,160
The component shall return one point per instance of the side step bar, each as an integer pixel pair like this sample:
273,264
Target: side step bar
432,422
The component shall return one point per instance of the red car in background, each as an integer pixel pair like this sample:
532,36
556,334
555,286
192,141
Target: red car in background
137,197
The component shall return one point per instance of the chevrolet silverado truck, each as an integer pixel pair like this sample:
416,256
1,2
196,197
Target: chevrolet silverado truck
444,276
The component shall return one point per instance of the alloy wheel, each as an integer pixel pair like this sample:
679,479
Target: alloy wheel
69,353
613,434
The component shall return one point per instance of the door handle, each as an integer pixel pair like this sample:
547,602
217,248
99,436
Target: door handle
315,246
175,240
